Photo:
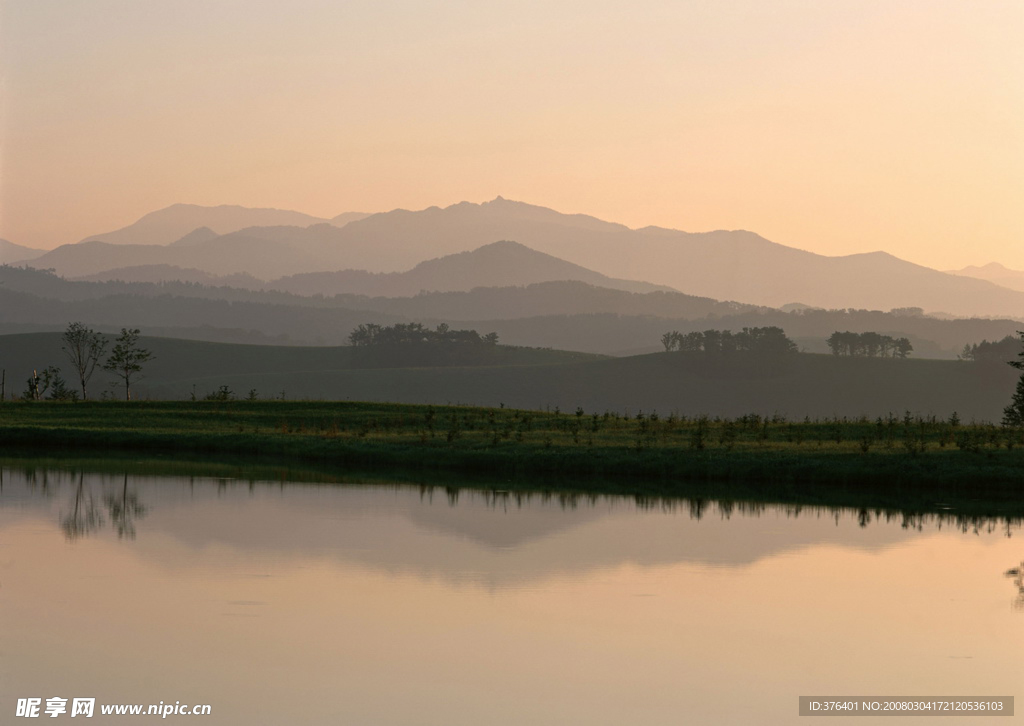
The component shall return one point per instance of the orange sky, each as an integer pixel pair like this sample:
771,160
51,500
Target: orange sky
841,126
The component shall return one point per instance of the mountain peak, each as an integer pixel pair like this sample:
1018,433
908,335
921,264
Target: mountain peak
195,237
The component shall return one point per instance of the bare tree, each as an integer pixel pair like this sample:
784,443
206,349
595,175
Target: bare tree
84,347
126,358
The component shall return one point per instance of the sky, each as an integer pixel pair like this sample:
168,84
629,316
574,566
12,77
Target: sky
838,127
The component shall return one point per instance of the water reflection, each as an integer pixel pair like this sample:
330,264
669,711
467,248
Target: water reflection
124,510
280,602
83,517
1017,573
521,524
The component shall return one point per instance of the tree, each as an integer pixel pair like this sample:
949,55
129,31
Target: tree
126,358
84,347
40,384
59,389
1013,415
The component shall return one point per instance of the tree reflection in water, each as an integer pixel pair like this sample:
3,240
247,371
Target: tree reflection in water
124,510
1017,573
85,518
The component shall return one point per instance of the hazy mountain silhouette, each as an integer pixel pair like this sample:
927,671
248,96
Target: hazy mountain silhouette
167,273
345,217
733,265
995,273
168,225
563,314
11,253
328,319
230,254
195,237
499,264
730,265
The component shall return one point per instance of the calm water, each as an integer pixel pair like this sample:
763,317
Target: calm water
324,604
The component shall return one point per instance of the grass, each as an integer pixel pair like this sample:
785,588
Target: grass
902,461
815,385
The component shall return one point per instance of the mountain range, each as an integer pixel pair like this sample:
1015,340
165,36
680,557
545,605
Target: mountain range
166,226
499,264
995,273
724,265
564,314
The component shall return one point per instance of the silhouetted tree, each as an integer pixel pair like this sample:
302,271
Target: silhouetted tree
992,352
415,344
84,347
868,344
767,341
126,358
1013,415
59,389
39,384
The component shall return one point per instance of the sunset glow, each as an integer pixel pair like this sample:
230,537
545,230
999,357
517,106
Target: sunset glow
835,127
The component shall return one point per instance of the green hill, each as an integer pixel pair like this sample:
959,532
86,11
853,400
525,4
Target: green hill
811,385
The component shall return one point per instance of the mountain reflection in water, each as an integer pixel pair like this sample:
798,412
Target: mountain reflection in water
389,603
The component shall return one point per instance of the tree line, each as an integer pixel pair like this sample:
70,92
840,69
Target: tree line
413,344
85,350
416,334
770,341
992,352
869,345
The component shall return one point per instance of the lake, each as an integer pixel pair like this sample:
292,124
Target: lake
306,603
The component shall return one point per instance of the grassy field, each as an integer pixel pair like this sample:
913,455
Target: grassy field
896,461
815,385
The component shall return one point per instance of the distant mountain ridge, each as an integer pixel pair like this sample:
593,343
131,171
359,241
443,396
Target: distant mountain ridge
499,264
165,226
730,265
565,314
994,273
11,253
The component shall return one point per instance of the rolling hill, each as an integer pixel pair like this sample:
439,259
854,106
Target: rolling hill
562,314
813,385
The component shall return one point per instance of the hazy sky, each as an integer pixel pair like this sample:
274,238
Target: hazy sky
836,126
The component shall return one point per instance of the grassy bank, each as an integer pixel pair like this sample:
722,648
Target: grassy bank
897,461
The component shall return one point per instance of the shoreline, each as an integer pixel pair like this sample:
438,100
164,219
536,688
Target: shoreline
917,464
